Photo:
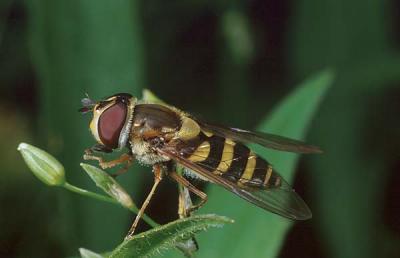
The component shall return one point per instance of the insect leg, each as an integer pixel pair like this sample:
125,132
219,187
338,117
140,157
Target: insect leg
181,180
124,169
189,246
157,179
128,158
184,202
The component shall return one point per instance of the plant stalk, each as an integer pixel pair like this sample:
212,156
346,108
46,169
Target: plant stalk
104,198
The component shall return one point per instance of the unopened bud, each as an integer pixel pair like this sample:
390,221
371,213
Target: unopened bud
85,253
109,185
43,165
149,96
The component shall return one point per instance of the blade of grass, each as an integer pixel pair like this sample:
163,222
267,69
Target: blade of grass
349,221
236,52
259,233
83,46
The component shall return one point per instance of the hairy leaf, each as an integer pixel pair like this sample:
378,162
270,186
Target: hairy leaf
165,237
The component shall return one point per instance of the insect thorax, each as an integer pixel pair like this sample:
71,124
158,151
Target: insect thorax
144,154
152,121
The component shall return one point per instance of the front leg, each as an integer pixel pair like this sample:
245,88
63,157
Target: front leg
126,157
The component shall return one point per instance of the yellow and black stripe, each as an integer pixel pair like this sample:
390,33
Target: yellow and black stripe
215,155
231,160
238,166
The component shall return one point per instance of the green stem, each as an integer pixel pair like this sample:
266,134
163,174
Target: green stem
101,197
89,194
149,221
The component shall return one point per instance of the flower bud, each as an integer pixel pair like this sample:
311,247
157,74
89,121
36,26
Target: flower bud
109,185
85,253
149,96
43,165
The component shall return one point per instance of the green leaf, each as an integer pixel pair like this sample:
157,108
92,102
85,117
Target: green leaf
76,47
43,165
237,32
167,236
85,253
259,233
109,185
292,118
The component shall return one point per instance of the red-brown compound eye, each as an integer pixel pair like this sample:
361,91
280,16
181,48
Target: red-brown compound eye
110,124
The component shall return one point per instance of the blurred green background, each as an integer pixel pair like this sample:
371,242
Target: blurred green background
228,61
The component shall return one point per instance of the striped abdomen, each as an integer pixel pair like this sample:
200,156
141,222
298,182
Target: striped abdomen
231,160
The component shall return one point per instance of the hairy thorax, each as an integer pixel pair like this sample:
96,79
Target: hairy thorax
144,153
150,122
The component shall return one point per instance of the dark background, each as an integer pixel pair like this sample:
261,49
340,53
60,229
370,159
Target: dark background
229,61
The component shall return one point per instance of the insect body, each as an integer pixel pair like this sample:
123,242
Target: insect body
165,137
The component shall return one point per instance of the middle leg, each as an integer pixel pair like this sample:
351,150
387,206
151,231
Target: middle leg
182,181
158,173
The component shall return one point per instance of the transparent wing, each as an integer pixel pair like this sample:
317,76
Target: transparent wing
282,200
271,141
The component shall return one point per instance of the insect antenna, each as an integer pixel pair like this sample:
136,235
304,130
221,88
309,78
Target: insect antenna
87,104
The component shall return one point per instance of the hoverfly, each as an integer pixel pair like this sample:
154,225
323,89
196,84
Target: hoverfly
165,137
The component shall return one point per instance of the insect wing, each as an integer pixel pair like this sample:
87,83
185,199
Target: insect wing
282,200
268,140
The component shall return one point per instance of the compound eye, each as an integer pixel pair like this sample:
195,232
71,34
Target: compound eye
111,122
